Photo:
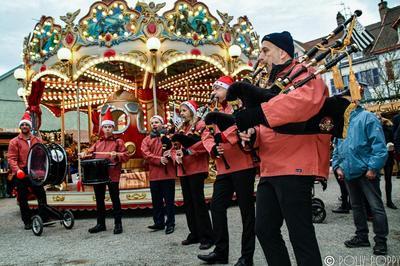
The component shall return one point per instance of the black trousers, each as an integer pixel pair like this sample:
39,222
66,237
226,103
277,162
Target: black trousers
197,216
100,193
163,192
388,170
242,183
343,192
286,198
23,186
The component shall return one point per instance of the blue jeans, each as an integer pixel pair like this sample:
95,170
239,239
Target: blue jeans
358,188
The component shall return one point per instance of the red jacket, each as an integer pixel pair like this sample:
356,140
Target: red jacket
108,145
18,150
152,152
234,155
198,160
283,154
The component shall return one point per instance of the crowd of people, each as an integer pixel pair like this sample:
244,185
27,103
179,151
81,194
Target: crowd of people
288,165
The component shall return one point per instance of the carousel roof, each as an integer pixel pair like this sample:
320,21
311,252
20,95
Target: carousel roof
110,51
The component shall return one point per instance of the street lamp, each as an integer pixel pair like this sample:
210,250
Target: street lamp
153,44
234,51
20,74
64,55
21,92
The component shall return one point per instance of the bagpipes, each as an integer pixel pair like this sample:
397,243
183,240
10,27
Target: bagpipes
330,119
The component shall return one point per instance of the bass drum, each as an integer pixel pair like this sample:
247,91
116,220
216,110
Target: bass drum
47,164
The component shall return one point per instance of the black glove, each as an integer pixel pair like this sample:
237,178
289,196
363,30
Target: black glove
250,117
166,142
222,120
249,94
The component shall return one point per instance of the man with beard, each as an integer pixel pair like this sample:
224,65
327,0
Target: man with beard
289,163
17,159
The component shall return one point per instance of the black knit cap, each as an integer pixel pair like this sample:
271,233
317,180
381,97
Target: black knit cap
283,40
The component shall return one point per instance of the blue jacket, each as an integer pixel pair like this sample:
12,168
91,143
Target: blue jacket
363,149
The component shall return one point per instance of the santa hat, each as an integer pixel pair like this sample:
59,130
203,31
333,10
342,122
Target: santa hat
157,117
224,82
107,119
192,105
26,118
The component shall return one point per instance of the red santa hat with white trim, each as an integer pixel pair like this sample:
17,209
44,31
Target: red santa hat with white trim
157,117
107,119
192,105
224,82
26,118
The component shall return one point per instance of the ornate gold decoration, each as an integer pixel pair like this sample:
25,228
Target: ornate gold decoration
138,55
58,198
136,196
167,55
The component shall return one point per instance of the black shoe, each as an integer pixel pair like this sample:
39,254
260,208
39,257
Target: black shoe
391,205
156,227
170,229
244,262
28,226
97,228
380,249
213,258
357,242
205,246
117,229
341,210
189,241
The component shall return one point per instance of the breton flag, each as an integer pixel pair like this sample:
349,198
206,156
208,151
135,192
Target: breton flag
361,36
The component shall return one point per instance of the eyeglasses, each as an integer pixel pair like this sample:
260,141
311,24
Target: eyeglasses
25,125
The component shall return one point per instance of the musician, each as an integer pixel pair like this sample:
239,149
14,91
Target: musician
239,178
192,169
18,150
112,148
289,163
162,177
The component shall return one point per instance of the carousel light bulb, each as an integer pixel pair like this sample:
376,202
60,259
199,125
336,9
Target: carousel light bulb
153,44
20,74
64,54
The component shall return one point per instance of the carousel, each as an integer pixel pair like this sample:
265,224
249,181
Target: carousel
136,60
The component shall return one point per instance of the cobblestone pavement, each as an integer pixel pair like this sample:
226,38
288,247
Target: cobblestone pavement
138,246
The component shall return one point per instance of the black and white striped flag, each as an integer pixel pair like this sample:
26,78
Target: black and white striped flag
361,36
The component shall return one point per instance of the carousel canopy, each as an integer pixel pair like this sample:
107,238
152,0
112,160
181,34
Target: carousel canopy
180,52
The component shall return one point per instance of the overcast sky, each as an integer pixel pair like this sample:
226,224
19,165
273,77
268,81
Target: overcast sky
305,19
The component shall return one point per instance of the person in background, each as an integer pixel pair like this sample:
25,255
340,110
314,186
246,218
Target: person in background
387,126
358,159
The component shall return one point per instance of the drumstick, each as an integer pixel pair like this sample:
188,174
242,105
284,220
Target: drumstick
107,153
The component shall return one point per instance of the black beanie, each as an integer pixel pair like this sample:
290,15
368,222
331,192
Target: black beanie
282,40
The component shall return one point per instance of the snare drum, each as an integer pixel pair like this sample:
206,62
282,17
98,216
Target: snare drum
47,164
95,171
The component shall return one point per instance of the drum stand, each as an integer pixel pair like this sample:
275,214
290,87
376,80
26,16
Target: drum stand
65,218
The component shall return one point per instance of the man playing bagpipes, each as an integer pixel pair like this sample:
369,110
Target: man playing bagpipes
156,150
192,160
289,163
235,173
112,148
18,150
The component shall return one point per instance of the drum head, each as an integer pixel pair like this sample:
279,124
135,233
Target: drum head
47,164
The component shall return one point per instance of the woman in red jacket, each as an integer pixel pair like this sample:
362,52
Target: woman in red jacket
162,176
192,169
